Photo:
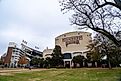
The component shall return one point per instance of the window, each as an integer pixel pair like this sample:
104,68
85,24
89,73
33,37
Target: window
67,56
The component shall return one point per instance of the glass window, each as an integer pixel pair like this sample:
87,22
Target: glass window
67,56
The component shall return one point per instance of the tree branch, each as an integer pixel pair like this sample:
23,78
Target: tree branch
107,3
107,34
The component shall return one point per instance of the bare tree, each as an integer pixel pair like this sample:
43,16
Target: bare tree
104,47
103,16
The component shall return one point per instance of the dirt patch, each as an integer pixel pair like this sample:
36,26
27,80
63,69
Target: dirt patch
34,79
7,74
10,72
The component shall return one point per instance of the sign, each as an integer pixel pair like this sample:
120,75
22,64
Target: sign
72,40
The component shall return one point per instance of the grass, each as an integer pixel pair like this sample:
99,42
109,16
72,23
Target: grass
83,74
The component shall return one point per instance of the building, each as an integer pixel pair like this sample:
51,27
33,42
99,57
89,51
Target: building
15,54
47,53
30,52
3,57
12,56
72,44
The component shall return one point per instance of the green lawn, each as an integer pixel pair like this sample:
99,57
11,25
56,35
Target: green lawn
83,74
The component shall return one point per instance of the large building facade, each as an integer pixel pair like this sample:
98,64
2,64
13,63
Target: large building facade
73,44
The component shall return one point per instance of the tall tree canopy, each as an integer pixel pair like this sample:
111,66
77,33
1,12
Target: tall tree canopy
103,16
57,56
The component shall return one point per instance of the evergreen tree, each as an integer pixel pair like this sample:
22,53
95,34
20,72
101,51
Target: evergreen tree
57,56
37,62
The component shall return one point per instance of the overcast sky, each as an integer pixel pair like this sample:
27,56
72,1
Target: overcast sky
36,21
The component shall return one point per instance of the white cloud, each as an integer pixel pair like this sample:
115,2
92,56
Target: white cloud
36,21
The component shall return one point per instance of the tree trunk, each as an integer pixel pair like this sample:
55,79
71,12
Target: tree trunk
109,64
96,64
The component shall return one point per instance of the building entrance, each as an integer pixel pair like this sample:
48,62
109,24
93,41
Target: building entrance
67,64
